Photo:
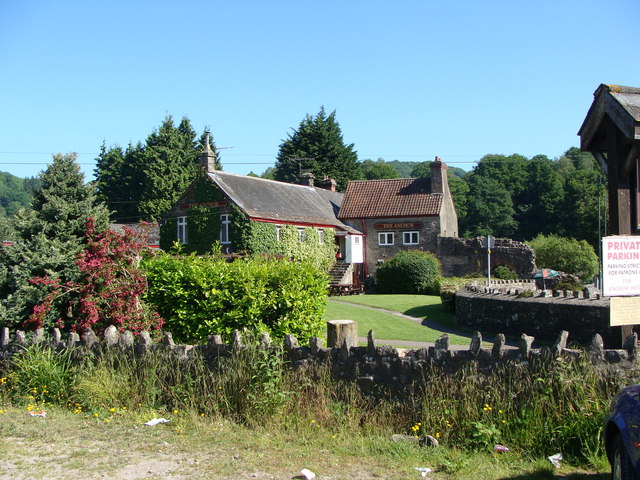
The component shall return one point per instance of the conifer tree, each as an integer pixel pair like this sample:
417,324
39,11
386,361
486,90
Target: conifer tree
146,180
317,146
50,236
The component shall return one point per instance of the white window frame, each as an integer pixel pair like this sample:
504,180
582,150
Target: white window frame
301,235
383,238
407,237
320,235
181,230
278,229
224,229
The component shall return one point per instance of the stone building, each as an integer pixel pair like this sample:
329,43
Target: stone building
400,214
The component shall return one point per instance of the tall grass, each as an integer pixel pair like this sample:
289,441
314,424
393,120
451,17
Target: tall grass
539,407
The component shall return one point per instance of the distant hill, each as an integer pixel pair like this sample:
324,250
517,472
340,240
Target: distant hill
15,192
404,169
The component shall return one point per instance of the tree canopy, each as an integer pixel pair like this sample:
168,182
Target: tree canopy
145,180
317,146
49,237
378,170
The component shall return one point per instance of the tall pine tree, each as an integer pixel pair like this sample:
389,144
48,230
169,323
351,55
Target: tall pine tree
146,180
317,146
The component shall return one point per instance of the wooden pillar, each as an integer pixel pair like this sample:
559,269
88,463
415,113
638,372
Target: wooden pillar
619,184
619,205
340,332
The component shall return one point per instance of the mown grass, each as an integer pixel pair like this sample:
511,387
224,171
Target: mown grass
385,325
419,306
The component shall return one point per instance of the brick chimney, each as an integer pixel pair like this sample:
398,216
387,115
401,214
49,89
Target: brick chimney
306,179
208,158
328,184
438,176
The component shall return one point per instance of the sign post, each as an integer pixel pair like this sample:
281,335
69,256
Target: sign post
489,243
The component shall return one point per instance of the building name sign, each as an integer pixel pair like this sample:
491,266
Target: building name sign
621,266
398,226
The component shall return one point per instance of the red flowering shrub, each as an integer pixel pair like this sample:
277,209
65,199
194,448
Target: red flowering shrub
108,292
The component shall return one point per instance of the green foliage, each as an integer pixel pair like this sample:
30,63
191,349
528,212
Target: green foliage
411,271
203,230
489,209
15,193
200,296
49,238
543,406
41,375
317,146
378,170
567,255
315,245
144,181
502,272
515,197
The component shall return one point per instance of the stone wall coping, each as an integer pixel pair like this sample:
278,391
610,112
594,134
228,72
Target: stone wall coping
441,352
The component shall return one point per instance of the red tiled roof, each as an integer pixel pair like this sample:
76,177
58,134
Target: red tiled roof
401,197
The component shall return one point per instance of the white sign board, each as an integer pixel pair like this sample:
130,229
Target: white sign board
621,266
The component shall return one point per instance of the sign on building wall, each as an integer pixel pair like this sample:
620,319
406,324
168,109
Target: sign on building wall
398,226
621,266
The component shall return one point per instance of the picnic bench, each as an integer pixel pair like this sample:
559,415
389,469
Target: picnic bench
345,289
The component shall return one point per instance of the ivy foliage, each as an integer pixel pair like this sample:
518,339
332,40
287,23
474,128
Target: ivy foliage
200,296
410,272
316,245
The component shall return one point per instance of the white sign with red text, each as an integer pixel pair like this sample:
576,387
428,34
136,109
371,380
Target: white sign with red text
621,266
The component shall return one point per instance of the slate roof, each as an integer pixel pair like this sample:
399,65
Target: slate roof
263,199
401,197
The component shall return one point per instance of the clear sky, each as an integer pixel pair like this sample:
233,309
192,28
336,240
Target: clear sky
409,80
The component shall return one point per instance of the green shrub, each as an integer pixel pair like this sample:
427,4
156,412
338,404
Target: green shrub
200,296
567,255
502,272
410,272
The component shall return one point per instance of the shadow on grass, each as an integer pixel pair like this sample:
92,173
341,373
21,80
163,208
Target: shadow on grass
545,474
435,313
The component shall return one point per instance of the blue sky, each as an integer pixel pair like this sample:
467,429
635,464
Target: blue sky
408,79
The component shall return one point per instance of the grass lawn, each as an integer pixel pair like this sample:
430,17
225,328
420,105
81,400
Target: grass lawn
391,327
420,306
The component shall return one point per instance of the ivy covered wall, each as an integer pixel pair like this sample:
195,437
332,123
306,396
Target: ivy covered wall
262,237
246,235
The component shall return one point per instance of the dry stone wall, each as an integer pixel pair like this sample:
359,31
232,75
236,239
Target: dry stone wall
543,314
377,369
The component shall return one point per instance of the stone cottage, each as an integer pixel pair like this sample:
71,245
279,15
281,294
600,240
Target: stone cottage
257,215
400,214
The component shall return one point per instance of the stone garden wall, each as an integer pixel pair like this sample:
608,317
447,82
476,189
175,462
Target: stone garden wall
542,313
376,369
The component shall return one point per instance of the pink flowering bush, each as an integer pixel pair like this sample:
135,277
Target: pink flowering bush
108,292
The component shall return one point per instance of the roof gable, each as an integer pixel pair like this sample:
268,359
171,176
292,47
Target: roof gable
401,197
270,200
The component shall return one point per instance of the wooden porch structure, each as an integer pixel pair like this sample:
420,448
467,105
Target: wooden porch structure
611,132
